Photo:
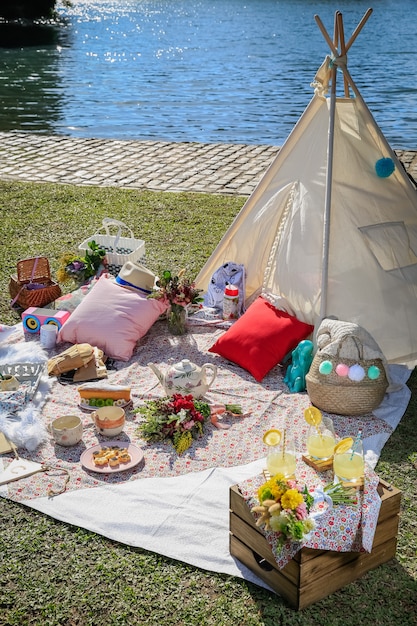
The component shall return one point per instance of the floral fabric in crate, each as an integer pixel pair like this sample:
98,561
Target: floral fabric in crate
340,528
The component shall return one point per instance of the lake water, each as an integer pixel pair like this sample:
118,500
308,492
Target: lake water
206,71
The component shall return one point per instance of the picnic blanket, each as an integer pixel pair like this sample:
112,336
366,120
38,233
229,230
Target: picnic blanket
177,506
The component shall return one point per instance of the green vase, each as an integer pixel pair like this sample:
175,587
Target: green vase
177,319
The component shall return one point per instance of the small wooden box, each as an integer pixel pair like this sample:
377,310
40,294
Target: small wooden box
312,574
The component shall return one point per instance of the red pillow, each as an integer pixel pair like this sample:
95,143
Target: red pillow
261,338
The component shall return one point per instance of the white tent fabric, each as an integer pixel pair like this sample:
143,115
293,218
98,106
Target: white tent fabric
372,261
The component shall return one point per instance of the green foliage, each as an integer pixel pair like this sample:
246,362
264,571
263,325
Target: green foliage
180,230
150,429
80,268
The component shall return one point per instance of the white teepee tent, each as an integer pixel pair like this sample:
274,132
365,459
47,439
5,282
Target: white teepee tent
329,230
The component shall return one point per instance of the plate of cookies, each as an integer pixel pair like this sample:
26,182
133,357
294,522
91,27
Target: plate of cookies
112,457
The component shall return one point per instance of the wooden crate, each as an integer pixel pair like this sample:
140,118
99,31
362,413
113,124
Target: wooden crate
312,574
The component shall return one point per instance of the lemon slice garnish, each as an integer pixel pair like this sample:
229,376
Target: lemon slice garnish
312,416
272,437
344,445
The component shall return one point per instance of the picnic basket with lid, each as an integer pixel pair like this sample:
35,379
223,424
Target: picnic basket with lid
347,376
119,249
32,285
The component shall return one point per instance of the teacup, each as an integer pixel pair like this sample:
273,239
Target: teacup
9,383
109,420
67,430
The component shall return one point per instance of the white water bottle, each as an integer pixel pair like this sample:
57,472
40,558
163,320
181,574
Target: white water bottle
231,303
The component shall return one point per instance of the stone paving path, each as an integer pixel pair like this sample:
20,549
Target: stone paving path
220,168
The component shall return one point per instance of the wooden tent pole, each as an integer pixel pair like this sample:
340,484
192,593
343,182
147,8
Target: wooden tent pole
342,49
326,36
336,31
338,34
355,33
358,28
329,173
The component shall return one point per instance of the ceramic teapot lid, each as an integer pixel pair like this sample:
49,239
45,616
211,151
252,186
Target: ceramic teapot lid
185,366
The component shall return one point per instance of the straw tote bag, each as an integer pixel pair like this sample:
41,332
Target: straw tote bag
347,377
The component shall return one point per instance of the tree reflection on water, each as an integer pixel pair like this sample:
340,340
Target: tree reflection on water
31,93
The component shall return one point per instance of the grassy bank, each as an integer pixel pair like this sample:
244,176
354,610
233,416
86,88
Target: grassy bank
54,574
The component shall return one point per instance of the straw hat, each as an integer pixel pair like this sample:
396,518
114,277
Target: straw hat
136,277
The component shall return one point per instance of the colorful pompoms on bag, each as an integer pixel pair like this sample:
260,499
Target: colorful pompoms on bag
355,372
326,367
374,372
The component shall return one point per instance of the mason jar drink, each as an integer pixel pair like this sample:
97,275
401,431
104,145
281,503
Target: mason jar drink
349,462
321,440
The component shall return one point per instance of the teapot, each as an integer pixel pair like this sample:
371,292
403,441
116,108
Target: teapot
186,378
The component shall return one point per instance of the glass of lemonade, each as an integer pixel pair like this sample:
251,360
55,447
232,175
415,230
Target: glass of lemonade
321,440
349,464
281,458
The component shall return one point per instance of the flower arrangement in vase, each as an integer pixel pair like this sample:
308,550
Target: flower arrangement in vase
284,508
178,292
288,510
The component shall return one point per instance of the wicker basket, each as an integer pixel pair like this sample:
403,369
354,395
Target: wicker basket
33,285
118,249
341,395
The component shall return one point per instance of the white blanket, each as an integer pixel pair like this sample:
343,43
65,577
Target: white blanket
186,517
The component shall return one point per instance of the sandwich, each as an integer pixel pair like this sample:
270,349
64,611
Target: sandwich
103,394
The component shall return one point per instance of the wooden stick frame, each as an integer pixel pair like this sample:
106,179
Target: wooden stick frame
339,37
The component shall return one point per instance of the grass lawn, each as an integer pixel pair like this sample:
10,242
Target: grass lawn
53,574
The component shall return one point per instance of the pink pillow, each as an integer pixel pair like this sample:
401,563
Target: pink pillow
112,318
261,338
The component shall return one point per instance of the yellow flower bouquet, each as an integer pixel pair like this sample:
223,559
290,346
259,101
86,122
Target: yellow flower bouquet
284,508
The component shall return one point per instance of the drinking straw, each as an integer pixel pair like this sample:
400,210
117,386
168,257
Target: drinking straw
356,443
319,431
284,443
